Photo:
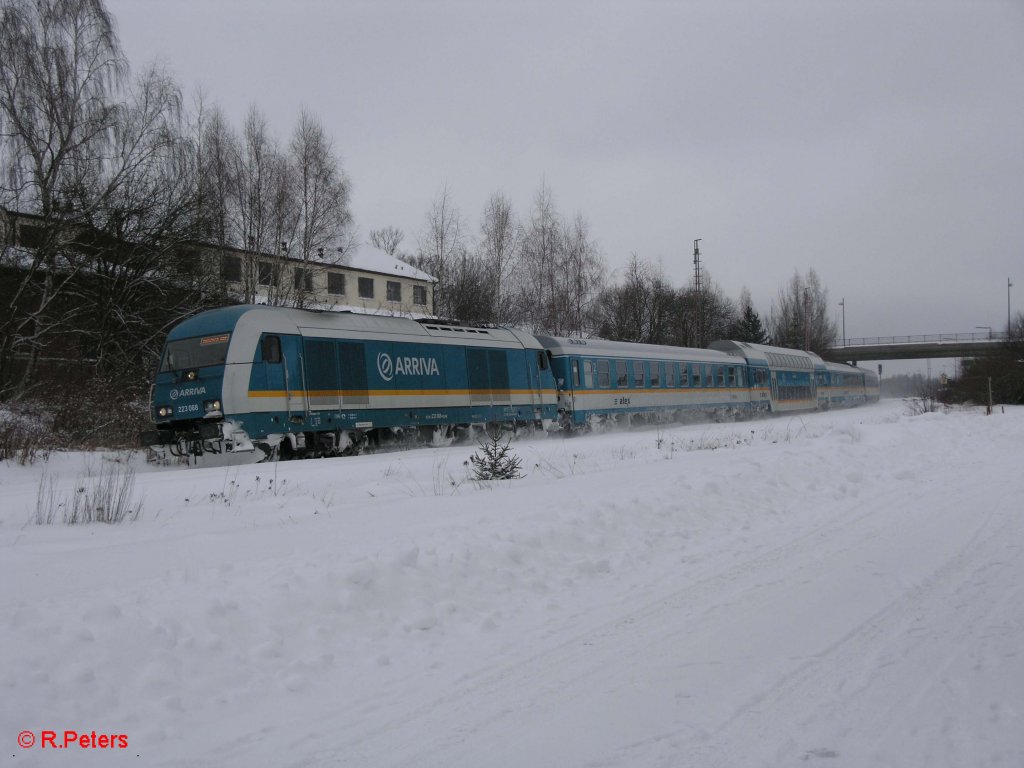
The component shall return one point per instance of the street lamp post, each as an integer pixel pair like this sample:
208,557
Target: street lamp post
1009,285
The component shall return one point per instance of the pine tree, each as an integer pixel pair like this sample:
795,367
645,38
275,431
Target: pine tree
750,328
495,460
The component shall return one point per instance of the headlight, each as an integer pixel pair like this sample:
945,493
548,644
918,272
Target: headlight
164,411
211,405
191,375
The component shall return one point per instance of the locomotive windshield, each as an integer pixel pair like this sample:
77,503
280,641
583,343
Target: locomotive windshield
195,352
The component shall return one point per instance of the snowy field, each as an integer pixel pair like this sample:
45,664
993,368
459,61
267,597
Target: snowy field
837,589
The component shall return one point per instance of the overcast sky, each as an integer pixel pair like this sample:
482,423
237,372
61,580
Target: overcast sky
881,143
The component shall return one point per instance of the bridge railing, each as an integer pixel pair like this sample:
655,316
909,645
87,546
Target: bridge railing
921,338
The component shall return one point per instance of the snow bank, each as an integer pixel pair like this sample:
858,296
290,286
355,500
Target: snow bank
841,586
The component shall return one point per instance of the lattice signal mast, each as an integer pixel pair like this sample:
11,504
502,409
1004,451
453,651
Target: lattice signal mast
700,293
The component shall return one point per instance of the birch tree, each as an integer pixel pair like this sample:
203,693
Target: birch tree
799,317
61,68
325,222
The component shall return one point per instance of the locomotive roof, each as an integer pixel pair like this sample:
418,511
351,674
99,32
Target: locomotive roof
605,348
289,320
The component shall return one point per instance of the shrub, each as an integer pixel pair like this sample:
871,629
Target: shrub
495,460
104,496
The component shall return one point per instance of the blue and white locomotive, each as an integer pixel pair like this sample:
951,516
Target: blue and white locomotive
300,383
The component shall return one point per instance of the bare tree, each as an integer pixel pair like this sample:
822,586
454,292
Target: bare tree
388,239
541,250
799,318
441,245
60,71
325,221
265,210
142,273
216,149
641,308
500,242
582,276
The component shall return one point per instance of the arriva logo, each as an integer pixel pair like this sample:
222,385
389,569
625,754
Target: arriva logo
187,392
388,368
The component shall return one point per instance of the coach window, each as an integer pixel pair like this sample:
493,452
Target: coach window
270,349
588,374
670,375
604,376
574,365
638,373
696,375
656,374
621,375
731,373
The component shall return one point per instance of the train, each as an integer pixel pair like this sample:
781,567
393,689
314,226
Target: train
285,383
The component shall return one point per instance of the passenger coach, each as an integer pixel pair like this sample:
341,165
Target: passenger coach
602,380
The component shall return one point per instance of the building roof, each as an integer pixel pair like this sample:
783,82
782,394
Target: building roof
368,258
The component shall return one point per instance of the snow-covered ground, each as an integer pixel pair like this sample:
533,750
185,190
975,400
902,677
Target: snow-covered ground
841,589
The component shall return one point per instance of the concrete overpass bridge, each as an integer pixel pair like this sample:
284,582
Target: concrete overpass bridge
916,347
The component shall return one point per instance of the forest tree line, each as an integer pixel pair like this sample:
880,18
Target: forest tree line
122,179
125,183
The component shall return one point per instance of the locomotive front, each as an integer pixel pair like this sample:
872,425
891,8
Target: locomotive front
187,398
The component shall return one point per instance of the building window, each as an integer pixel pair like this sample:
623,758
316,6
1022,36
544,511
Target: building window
231,269
419,295
394,291
336,283
365,287
268,274
303,279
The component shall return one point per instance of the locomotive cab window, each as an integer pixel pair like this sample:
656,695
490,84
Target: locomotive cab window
542,359
270,349
195,352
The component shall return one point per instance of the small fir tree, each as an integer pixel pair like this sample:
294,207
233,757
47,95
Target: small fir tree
750,328
495,460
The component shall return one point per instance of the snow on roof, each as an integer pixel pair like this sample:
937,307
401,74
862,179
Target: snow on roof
371,259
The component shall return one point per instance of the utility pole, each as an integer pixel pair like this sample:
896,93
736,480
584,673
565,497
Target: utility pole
807,317
842,304
1009,285
697,288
